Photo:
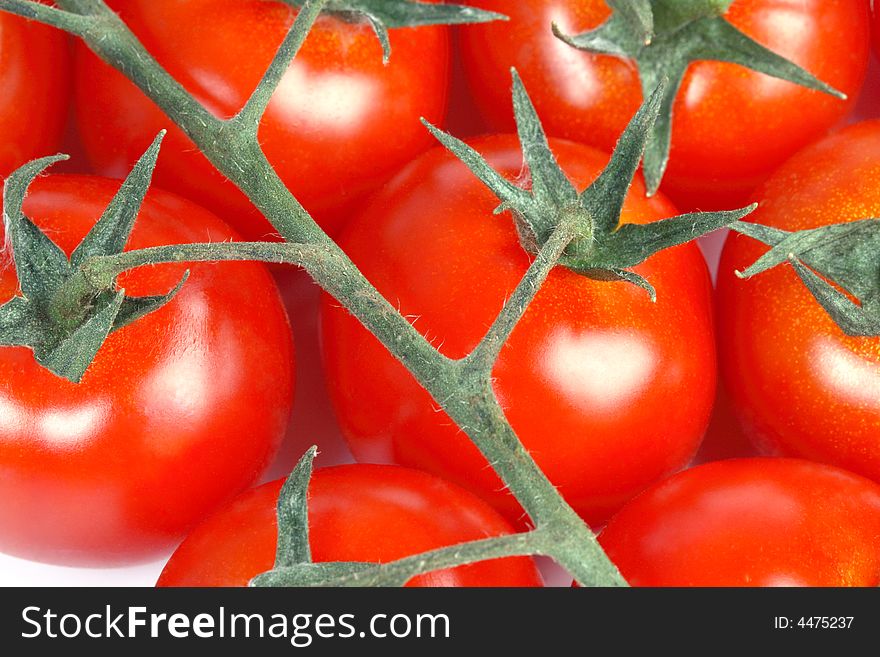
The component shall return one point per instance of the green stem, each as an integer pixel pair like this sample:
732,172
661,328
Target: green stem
398,573
65,20
103,268
575,546
330,268
486,353
250,115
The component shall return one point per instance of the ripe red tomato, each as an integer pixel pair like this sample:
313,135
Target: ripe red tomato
34,77
371,513
800,386
180,410
609,391
340,123
751,522
732,127
875,24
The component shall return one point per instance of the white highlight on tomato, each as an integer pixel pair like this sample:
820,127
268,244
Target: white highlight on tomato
599,371
319,100
847,374
71,427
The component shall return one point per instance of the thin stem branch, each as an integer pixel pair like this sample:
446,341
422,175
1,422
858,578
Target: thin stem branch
574,546
250,115
486,353
111,39
327,265
64,20
85,7
401,571
104,268
398,573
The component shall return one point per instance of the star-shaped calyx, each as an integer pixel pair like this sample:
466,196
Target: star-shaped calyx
63,313
843,255
663,37
602,248
383,15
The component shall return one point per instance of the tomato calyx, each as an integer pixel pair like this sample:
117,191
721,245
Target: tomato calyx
601,247
844,255
68,307
383,15
663,37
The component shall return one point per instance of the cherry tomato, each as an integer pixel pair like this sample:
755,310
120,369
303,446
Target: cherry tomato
179,411
751,522
34,77
732,127
338,126
800,386
608,391
875,24
371,513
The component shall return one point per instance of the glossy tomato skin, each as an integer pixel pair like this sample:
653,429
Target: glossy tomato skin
35,63
338,126
732,127
372,513
608,391
801,387
179,412
750,522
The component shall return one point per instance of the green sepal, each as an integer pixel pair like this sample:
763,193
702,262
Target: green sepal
293,515
624,276
18,326
509,194
601,248
383,15
844,254
605,197
682,32
670,15
133,308
848,253
550,186
110,233
638,15
71,357
40,265
69,307
629,28
293,556
854,320
632,244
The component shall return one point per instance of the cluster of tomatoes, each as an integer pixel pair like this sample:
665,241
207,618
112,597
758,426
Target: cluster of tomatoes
612,394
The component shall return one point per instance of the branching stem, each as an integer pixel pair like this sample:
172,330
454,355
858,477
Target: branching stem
248,119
